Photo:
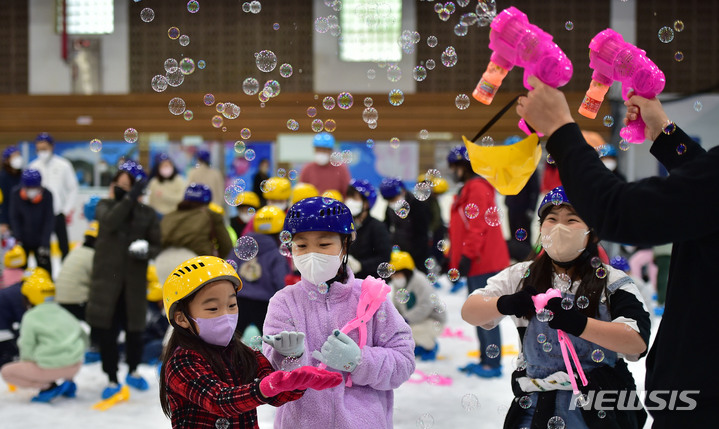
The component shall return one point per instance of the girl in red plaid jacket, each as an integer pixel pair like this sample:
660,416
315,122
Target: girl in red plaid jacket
209,378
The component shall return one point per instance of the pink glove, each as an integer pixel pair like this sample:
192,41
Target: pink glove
305,377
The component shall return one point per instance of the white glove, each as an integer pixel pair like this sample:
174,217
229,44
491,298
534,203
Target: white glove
287,343
354,264
139,248
339,352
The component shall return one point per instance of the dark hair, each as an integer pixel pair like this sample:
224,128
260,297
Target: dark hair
591,286
119,173
236,352
189,205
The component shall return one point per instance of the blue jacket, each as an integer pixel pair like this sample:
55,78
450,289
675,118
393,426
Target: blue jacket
32,223
12,307
265,274
8,182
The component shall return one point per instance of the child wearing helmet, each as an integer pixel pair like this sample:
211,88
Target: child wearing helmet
423,310
212,177
372,245
264,274
304,320
208,377
32,220
241,215
600,309
51,344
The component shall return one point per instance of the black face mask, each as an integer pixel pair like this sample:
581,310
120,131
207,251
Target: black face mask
119,192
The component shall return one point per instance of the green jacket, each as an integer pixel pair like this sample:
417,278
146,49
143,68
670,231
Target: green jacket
196,229
51,337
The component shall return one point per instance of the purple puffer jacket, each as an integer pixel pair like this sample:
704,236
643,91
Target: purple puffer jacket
387,358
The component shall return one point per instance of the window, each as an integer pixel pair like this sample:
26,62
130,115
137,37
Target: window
86,16
371,31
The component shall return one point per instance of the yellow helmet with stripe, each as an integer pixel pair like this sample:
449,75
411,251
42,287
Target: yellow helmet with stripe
15,257
37,289
269,220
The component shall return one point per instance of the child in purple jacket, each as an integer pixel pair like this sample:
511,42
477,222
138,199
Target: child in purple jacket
303,325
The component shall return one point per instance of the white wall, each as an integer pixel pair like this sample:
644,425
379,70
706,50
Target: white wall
49,74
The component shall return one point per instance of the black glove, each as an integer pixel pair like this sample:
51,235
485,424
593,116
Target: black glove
464,265
518,304
571,321
137,189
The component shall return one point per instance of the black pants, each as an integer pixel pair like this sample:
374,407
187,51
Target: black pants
109,349
43,261
8,351
251,312
61,233
77,310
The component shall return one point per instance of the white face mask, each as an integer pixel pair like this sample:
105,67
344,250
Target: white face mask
16,162
166,172
399,282
44,155
317,267
396,205
611,164
322,158
562,243
32,193
282,205
245,217
356,206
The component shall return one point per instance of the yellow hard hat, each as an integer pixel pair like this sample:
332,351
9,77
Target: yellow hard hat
152,274
278,188
334,194
401,260
215,208
92,229
269,220
154,290
508,168
251,199
302,191
15,257
37,289
192,275
439,184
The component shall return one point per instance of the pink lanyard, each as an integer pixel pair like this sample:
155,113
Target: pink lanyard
374,292
565,343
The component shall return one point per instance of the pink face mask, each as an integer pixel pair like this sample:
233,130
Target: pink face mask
218,330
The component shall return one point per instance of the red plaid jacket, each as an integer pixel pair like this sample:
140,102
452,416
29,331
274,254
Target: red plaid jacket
199,399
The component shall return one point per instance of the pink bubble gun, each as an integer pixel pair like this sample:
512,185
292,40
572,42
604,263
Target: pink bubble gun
540,301
612,59
374,293
516,42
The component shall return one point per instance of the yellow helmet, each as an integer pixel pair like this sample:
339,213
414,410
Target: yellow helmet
302,191
37,289
334,194
251,199
439,184
278,188
15,257
508,168
92,229
154,290
215,208
401,260
192,275
269,220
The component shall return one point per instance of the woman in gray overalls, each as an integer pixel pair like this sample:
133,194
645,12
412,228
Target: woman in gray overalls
602,311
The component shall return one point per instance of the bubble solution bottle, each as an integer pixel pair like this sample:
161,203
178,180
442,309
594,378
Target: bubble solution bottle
593,99
490,83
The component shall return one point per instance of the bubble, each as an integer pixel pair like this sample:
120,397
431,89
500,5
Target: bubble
370,115
525,402
311,112
317,125
208,99
541,338
598,355
419,73
250,86
678,26
601,272
220,107
394,142
582,302
402,209
193,6
175,79
430,263
520,234
608,121
402,296
246,7
623,145
444,14
449,57
170,65
187,66
173,33
159,83
461,30
369,143
255,7
245,133
698,106
453,274
290,362
422,191
601,414
292,174
423,134
217,121
285,70
323,288
95,145
678,56
371,74
547,347
582,400
184,40
201,64
429,64
293,125
385,269
396,97
239,147
569,26
666,34
394,73
232,111
462,101
328,103
433,174
425,421
471,211
147,14
222,423
493,216
266,61
188,115
470,402
250,154
272,88
681,149
555,422
492,351
595,262
176,106
246,248
567,303
544,315
234,196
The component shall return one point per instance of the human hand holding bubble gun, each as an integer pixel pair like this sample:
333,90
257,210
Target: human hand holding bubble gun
611,58
514,41
540,302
